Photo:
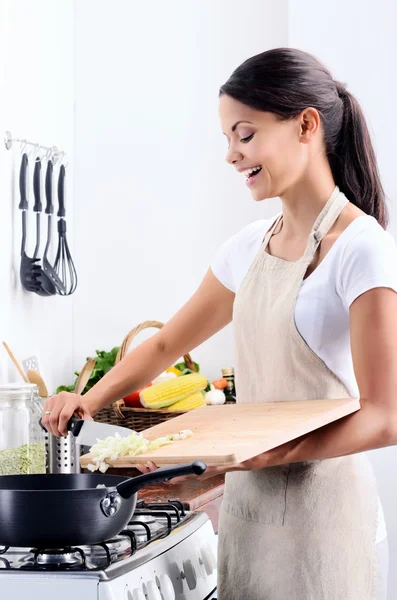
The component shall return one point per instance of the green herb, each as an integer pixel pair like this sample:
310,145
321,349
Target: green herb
23,460
104,362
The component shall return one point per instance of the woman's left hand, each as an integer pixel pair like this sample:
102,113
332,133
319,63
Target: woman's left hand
258,462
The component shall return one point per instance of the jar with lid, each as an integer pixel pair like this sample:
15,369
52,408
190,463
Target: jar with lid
230,389
22,441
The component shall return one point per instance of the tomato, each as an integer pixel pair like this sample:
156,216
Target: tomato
133,400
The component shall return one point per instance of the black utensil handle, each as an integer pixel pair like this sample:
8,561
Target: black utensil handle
23,187
75,425
38,206
48,188
61,227
61,192
127,488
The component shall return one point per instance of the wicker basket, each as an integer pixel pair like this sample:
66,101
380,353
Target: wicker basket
138,419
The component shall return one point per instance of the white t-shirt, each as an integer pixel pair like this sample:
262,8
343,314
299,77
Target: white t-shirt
362,258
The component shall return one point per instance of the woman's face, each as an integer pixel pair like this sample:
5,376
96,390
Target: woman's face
261,139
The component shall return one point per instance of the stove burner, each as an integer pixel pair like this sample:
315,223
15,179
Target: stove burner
144,518
4,563
67,558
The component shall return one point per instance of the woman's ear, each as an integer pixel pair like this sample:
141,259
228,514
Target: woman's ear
309,124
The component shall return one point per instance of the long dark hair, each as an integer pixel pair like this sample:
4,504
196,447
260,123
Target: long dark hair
285,81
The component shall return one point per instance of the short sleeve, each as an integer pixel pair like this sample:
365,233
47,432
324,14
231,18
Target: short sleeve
369,261
221,264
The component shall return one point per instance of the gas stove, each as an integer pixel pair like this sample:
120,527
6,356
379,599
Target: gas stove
164,553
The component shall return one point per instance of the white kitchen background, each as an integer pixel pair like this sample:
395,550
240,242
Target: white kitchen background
129,90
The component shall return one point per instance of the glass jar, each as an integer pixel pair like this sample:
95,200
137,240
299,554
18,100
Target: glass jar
22,440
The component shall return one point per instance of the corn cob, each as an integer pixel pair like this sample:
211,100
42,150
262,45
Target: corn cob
190,403
168,392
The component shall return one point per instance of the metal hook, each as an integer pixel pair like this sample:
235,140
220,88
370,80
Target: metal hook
34,150
38,157
23,145
58,155
48,154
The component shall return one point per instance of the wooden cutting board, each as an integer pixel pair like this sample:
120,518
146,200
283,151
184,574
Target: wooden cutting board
229,434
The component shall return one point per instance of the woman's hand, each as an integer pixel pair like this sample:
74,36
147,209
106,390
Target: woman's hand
210,472
147,467
58,410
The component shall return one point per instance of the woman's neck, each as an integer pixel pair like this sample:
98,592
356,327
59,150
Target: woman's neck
303,202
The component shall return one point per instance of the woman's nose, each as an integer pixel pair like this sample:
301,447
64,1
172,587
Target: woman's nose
233,157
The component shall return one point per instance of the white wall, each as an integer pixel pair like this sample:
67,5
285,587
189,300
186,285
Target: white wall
357,41
37,103
154,195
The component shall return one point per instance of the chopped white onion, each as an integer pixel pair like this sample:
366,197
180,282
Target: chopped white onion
111,448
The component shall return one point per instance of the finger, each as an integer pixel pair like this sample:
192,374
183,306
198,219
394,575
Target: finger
47,408
142,468
151,466
65,415
57,408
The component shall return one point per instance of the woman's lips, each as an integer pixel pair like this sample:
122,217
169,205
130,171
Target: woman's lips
253,178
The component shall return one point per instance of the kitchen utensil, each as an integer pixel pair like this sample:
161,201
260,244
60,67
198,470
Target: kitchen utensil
46,285
30,269
84,376
64,265
233,433
16,362
54,511
36,378
31,363
87,432
48,269
62,454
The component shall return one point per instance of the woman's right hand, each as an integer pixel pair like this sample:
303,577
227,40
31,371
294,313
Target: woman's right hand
59,409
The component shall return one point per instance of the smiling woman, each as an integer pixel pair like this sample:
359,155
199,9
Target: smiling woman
314,310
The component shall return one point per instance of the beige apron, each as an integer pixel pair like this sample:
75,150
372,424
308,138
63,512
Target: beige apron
302,531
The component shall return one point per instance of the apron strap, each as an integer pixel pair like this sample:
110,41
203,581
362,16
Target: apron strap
325,220
270,231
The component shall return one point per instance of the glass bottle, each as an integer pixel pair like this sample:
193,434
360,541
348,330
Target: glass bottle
230,389
22,441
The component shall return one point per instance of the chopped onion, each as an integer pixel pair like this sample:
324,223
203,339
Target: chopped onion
106,451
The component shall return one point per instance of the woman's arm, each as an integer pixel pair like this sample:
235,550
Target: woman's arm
373,333
208,311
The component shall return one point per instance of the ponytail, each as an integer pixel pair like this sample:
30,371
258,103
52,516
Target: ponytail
353,161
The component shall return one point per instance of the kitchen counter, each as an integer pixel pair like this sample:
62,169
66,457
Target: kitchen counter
203,495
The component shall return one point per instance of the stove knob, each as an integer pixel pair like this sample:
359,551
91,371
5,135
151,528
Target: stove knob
136,595
190,574
214,555
152,591
166,588
207,560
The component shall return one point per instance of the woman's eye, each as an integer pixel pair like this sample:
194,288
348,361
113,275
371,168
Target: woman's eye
247,139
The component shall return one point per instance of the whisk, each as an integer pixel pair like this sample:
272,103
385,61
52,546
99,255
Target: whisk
64,265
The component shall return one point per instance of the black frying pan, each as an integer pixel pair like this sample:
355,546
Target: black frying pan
54,511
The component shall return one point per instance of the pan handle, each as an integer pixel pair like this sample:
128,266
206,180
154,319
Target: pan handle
127,488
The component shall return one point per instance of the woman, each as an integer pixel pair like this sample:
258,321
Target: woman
312,297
